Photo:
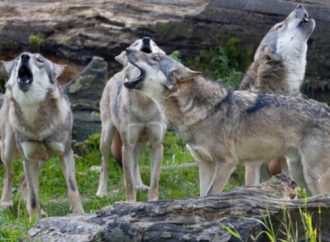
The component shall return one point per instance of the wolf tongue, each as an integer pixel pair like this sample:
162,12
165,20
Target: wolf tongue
24,79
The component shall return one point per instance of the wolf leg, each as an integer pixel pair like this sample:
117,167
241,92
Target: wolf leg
68,167
106,136
206,172
157,157
252,173
6,200
295,169
8,150
31,171
128,163
137,175
222,172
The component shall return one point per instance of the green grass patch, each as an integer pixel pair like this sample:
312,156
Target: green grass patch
177,181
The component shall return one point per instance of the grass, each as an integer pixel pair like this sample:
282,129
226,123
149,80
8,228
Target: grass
175,183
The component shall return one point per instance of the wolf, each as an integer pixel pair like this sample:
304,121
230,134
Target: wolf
279,67
280,60
138,120
222,126
35,124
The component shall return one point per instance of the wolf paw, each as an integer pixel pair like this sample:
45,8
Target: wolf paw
101,193
6,204
153,198
142,187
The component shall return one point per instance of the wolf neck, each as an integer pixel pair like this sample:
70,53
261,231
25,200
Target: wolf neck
193,100
33,118
295,63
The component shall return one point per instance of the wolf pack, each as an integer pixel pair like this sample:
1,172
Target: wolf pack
267,121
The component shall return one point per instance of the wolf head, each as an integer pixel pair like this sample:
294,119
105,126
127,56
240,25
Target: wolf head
159,73
145,44
32,75
289,36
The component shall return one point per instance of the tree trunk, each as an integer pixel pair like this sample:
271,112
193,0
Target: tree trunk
196,219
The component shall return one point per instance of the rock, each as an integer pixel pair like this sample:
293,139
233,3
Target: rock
194,219
85,93
78,30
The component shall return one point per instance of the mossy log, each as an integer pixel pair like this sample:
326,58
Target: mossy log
245,210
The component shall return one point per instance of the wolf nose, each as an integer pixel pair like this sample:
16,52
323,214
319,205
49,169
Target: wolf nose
146,40
25,58
300,6
128,51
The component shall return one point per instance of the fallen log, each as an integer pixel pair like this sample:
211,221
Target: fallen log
245,210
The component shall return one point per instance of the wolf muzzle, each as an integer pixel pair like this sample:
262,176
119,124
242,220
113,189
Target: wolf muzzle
25,77
134,83
146,45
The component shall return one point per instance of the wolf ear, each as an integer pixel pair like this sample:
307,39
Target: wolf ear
57,70
122,58
7,66
183,74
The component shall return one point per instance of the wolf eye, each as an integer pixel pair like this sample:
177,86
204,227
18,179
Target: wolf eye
279,26
155,57
39,59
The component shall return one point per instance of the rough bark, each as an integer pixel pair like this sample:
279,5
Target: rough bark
195,219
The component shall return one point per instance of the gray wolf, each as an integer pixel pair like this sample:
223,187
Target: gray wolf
35,124
138,120
280,60
222,126
279,67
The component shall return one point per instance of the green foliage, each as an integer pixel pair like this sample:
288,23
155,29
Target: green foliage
176,181
289,227
226,64
36,40
230,229
176,55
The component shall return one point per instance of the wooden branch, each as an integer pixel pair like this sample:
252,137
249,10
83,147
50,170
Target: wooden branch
194,219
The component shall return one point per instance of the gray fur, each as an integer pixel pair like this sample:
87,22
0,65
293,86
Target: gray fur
139,121
35,124
222,128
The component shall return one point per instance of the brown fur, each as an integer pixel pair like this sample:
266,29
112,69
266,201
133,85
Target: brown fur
116,148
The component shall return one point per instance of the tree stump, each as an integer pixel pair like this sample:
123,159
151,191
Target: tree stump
244,210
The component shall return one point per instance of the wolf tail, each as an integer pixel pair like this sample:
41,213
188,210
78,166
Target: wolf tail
116,147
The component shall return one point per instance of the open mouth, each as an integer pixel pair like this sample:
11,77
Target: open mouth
305,19
134,83
307,23
146,48
25,77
